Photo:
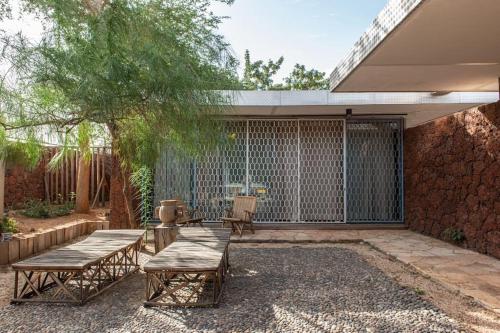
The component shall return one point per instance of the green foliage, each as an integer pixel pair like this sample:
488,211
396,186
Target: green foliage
453,234
8,225
259,75
5,9
142,180
419,291
303,79
24,152
159,64
41,209
82,141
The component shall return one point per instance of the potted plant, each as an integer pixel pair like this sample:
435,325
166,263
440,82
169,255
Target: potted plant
7,228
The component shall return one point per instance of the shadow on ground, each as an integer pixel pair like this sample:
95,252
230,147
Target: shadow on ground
295,289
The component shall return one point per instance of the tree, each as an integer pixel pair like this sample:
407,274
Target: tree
81,140
19,145
303,79
150,71
258,75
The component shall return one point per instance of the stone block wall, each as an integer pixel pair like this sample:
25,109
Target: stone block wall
452,177
22,184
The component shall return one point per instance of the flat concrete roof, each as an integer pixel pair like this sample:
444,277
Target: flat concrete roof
417,108
426,45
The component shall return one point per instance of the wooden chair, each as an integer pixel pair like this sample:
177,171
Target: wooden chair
241,214
186,217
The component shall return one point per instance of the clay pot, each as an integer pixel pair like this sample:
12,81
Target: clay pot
168,212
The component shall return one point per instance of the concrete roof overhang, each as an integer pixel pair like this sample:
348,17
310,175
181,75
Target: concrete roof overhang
417,108
426,45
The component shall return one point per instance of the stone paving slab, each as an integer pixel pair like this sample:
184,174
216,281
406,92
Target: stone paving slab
471,273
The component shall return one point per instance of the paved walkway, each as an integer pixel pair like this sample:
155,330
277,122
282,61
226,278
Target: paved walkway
469,272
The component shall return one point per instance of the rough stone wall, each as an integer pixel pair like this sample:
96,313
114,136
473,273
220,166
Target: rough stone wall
452,177
22,184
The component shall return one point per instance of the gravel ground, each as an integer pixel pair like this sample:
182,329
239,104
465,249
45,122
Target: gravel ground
288,289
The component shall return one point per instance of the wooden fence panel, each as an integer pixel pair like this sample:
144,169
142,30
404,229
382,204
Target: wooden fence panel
60,184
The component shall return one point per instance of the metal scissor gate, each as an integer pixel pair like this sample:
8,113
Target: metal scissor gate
325,170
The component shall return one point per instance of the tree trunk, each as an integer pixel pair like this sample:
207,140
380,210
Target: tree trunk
82,186
121,175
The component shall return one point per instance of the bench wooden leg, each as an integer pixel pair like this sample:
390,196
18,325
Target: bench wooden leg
75,286
184,289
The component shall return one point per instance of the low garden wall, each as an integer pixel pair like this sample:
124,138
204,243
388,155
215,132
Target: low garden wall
57,185
25,245
22,185
452,178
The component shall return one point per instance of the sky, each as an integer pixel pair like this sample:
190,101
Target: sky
315,33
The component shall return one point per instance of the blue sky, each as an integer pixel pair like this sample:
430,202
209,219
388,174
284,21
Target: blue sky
316,33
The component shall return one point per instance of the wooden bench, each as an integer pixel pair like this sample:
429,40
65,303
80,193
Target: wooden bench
80,271
190,271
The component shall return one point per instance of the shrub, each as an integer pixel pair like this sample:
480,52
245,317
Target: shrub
8,225
62,210
41,209
36,208
454,235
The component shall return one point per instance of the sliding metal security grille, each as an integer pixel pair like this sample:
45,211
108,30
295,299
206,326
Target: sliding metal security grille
221,175
321,170
374,171
173,177
300,170
273,169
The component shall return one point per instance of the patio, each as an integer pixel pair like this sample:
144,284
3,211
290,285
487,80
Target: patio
468,272
302,281
265,292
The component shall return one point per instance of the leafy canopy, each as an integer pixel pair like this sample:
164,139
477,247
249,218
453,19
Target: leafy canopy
258,75
149,70
303,79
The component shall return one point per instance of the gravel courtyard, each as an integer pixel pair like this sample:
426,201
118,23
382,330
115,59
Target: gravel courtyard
293,289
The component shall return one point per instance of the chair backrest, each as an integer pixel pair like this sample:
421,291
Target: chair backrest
242,204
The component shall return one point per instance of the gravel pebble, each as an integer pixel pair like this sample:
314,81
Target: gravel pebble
294,289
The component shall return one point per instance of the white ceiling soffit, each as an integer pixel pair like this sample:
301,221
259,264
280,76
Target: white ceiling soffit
417,108
426,45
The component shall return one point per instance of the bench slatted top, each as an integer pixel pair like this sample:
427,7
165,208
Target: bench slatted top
196,234
78,256
195,250
188,257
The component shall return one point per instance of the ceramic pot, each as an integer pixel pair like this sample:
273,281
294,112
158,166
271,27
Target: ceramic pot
168,212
